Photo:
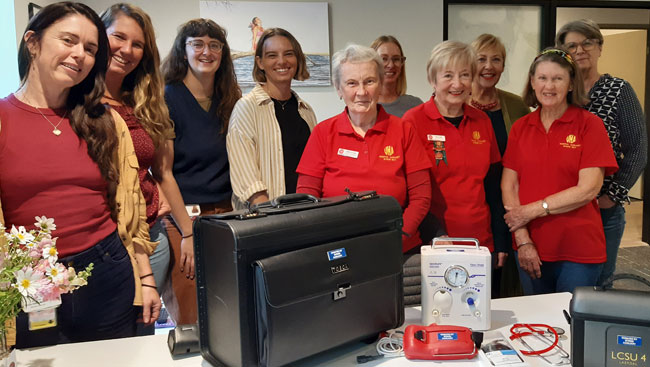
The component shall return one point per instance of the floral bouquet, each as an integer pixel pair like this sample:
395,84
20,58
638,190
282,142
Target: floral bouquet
29,272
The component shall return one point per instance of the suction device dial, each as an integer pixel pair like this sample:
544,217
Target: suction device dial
456,276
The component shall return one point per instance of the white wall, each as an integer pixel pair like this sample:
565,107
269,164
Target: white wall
416,23
8,65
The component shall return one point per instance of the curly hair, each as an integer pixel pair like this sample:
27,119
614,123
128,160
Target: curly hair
175,66
143,88
89,118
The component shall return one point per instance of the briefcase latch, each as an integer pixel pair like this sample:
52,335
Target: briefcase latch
341,292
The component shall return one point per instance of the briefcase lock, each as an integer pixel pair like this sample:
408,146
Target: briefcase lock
341,292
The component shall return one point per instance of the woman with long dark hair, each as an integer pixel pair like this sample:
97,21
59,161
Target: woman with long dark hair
201,90
68,157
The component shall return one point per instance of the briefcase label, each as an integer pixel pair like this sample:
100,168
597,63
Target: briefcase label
635,341
339,253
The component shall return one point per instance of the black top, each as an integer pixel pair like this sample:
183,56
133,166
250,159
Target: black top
295,133
492,184
499,127
200,158
454,120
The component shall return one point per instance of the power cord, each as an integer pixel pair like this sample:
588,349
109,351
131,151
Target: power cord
388,346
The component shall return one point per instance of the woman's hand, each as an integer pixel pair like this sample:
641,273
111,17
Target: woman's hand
501,259
150,305
604,202
529,260
518,216
187,257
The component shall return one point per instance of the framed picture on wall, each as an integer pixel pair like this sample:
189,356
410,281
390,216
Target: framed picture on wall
32,9
246,21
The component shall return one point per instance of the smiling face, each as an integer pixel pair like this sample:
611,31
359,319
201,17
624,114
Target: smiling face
393,61
127,46
551,83
279,61
360,87
452,85
65,54
203,62
490,66
584,59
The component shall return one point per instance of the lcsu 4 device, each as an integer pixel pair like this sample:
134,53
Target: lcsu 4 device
440,342
456,283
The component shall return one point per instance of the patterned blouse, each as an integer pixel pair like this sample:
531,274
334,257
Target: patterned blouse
614,101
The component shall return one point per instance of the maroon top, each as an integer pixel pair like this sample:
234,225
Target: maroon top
146,153
45,174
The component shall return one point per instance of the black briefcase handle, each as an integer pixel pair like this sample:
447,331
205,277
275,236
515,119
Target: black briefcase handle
292,199
609,282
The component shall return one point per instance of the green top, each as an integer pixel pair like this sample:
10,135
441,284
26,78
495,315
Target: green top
513,107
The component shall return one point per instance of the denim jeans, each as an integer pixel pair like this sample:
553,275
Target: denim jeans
614,225
559,276
103,309
159,261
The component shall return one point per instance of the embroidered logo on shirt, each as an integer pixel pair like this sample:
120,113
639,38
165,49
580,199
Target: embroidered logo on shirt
476,138
348,153
388,154
570,142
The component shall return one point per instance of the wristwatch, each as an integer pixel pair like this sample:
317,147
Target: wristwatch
545,206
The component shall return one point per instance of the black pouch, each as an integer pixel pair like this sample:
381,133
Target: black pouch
314,299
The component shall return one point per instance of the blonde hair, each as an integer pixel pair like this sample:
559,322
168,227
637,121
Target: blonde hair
486,41
401,80
143,88
450,53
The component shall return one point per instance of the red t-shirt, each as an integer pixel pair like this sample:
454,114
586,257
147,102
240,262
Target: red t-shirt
145,150
45,174
460,160
547,163
378,161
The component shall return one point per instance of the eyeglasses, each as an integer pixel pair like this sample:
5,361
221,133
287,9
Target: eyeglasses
586,45
199,46
397,60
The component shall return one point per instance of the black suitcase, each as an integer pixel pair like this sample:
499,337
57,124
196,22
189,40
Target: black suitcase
292,278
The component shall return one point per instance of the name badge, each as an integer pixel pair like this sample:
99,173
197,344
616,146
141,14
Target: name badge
348,153
435,137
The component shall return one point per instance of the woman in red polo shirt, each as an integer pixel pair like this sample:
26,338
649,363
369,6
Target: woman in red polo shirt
365,148
460,142
554,166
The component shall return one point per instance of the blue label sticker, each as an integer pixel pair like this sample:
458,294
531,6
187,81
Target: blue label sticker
339,253
635,341
509,352
447,336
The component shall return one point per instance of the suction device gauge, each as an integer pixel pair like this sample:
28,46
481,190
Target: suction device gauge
456,276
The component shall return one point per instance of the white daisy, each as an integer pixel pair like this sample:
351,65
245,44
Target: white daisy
27,282
50,253
22,235
45,224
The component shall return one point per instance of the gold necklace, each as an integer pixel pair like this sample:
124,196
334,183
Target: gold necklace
56,130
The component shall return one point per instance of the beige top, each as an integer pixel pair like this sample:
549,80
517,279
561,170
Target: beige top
254,144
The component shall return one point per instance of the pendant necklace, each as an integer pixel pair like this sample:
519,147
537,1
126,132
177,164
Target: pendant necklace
281,103
56,130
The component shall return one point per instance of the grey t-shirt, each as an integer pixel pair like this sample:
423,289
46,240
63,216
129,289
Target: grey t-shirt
401,105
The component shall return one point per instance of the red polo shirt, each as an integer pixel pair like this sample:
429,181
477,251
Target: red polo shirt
461,158
547,163
379,161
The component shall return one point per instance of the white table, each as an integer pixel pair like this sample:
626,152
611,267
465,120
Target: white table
152,350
